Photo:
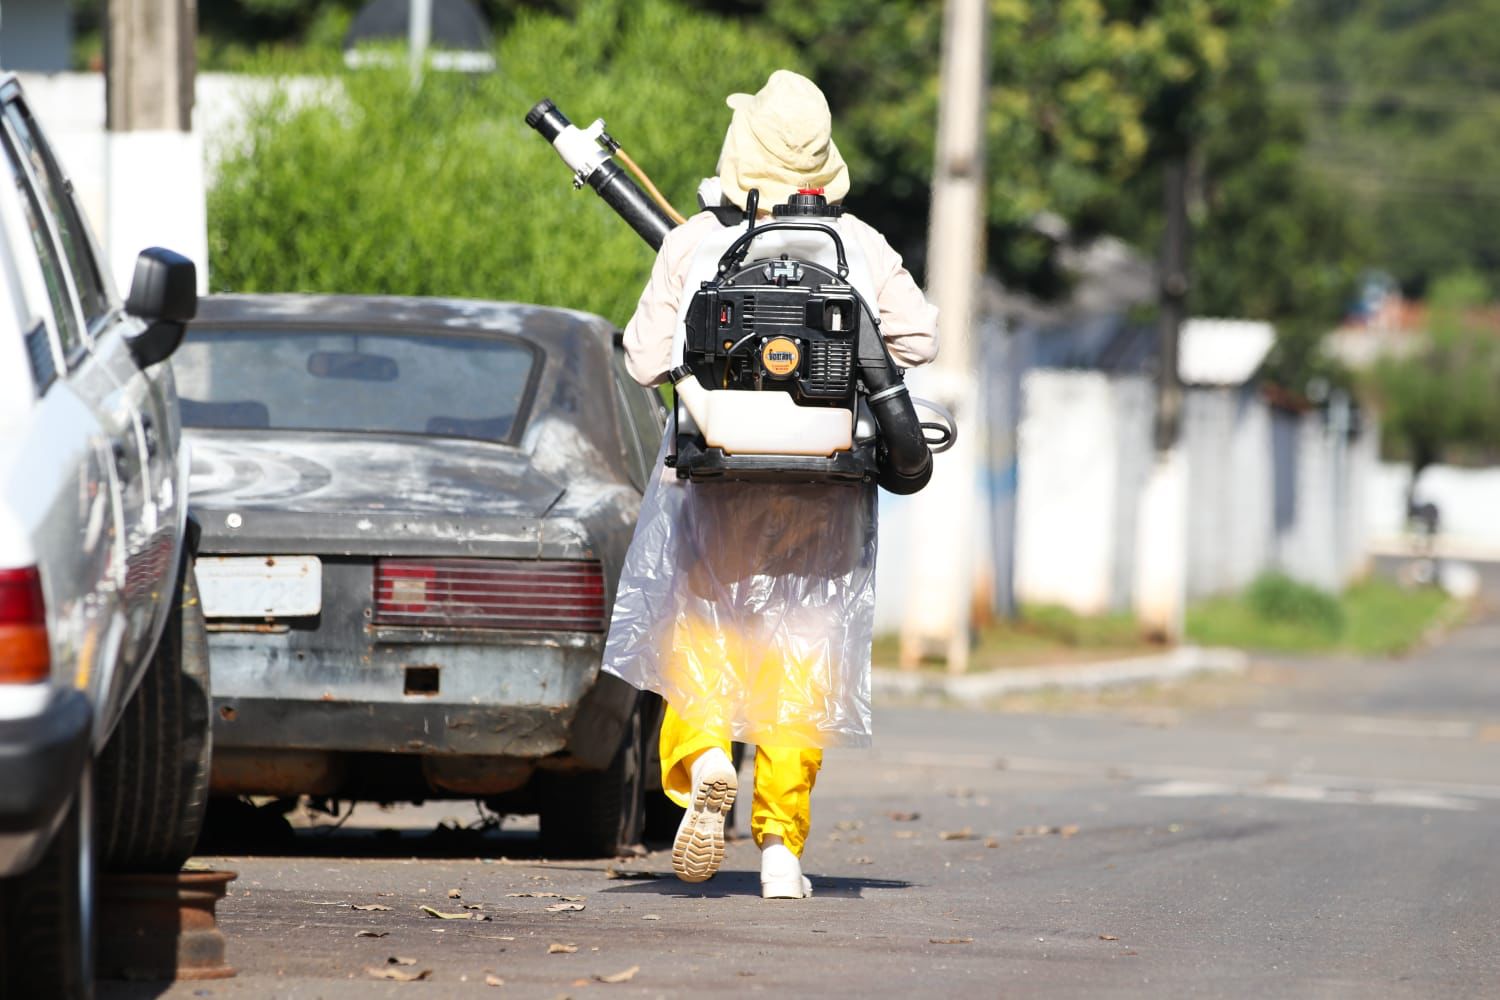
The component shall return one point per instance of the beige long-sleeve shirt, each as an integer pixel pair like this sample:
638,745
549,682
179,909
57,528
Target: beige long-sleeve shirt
908,322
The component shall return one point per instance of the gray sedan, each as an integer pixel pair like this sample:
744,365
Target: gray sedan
414,513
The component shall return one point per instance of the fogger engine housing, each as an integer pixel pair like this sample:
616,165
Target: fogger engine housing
785,377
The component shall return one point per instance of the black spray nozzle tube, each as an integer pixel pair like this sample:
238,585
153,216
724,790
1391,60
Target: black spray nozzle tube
546,119
591,164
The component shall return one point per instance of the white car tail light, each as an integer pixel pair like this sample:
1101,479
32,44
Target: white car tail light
25,657
490,593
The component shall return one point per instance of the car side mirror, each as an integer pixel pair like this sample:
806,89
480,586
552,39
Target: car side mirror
164,293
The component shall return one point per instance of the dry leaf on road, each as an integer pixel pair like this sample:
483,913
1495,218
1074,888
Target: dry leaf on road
396,975
904,834
455,894
564,908
556,948
616,873
398,960
493,980
623,976
439,914
652,916
366,907
1070,830
904,817
992,842
966,833
864,861
374,934
1108,937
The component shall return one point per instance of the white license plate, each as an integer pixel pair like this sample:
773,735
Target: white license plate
260,586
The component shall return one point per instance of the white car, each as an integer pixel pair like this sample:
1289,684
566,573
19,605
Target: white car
104,723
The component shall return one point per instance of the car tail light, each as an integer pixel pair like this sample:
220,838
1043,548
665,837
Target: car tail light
25,657
490,593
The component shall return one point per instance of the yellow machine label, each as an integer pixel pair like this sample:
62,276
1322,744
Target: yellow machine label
780,356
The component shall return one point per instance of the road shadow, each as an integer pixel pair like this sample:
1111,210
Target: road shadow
747,883
236,829
268,834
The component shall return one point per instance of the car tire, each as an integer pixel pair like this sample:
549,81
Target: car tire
662,815
599,814
47,913
153,775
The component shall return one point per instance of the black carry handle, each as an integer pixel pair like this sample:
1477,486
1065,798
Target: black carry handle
740,248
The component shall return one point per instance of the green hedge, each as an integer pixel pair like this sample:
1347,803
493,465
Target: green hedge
443,190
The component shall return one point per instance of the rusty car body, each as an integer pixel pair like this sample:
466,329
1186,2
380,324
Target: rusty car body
414,514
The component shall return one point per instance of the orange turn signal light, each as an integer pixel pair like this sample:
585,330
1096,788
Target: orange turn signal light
25,657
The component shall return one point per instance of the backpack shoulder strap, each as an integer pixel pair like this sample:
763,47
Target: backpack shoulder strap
728,215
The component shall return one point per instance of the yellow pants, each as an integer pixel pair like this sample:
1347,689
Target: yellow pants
784,779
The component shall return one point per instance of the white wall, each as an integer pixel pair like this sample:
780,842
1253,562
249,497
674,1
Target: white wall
1306,549
1086,453
1468,502
1226,439
1083,449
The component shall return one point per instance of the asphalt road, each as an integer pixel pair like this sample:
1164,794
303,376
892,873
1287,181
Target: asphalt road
1320,829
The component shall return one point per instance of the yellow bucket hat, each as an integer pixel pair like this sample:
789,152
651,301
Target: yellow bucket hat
780,140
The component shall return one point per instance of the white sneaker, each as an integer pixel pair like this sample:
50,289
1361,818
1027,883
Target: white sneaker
781,874
698,850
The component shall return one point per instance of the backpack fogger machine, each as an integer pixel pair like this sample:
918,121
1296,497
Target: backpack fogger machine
784,376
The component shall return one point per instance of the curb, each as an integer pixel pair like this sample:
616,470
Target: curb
1175,665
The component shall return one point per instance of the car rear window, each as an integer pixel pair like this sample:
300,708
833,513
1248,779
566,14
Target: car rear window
452,385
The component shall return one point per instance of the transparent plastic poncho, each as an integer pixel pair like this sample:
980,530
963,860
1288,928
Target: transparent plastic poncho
751,607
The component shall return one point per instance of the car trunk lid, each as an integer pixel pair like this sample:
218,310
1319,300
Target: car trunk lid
352,494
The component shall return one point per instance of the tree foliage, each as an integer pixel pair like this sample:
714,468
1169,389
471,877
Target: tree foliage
1072,85
443,189
1271,239
1441,398
1086,99
1403,100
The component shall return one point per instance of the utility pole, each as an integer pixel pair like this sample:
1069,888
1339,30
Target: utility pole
154,183
418,36
1161,548
940,583
1174,289
149,64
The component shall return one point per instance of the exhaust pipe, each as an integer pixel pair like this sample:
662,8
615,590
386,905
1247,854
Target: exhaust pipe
588,153
904,461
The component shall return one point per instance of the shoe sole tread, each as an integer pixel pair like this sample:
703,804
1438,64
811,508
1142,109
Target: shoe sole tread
698,850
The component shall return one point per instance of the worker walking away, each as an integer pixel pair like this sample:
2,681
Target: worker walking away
750,606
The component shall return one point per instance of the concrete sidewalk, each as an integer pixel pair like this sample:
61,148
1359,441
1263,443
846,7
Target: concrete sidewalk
1176,664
